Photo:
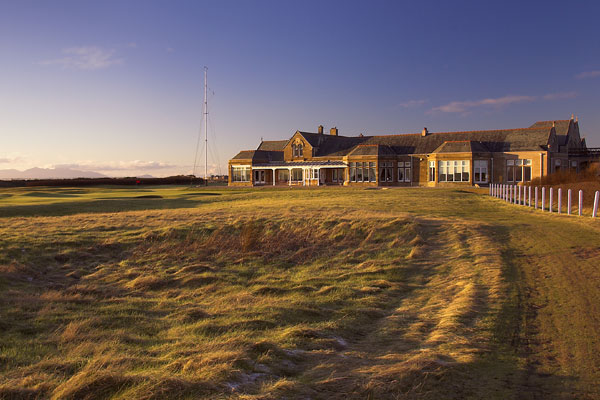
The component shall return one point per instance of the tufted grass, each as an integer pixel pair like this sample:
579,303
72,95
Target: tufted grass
279,293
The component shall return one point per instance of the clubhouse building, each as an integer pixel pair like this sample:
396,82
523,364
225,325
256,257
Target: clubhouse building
418,159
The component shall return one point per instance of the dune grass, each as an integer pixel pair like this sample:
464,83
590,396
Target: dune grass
279,293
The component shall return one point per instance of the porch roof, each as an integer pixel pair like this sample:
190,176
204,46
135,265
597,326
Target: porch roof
293,164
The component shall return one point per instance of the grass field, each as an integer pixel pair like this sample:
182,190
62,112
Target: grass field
331,293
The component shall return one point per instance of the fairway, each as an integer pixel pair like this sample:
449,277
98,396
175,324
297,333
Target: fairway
326,293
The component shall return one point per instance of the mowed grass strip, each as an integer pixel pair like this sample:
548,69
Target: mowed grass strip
296,293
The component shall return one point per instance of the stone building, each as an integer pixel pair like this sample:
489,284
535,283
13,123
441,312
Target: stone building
419,159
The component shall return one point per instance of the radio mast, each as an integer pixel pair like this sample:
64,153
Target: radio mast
205,127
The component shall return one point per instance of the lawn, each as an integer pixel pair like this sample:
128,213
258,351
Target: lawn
217,293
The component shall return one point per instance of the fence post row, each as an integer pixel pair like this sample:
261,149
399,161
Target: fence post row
512,194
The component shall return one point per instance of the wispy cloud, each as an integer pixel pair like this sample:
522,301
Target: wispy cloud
85,58
134,165
464,107
11,160
560,96
588,74
412,103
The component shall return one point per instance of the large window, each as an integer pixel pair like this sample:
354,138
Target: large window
296,175
518,170
240,174
362,172
454,171
283,175
386,171
404,171
431,171
297,150
480,171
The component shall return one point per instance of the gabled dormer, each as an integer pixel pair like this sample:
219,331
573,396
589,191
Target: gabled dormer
298,148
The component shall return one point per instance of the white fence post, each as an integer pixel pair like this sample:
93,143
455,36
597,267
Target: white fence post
543,198
596,198
550,205
559,202
529,195
569,202
536,197
580,202
519,195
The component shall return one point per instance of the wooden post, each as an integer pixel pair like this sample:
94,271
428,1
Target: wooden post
536,197
596,199
519,195
529,196
550,205
543,198
559,202
580,202
569,202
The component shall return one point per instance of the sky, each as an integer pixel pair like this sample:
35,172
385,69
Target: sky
117,86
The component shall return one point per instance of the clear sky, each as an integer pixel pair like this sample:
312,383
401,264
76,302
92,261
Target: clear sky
116,86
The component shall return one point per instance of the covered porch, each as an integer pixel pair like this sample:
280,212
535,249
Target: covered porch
304,173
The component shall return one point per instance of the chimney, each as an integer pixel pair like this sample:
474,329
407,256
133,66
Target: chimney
425,132
554,124
572,116
333,131
320,128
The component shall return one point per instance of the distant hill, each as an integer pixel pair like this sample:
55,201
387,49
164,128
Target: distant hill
48,173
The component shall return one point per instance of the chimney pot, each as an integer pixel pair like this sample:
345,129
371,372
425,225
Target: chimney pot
425,132
334,131
320,129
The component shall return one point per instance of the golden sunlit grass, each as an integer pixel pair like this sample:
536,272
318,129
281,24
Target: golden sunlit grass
260,294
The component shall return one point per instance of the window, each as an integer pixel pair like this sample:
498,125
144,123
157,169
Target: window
283,175
407,175
315,173
454,171
403,171
372,172
557,165
510,170
297,150
352,172
296,174
240,174
480,168
432,171
359,172
518,170
386,171
259,176
401,174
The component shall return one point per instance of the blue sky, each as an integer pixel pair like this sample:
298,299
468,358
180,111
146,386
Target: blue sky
116,86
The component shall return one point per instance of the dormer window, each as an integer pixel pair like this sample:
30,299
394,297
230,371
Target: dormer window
298,150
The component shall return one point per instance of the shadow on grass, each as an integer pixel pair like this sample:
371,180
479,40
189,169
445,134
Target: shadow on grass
96,206
50,194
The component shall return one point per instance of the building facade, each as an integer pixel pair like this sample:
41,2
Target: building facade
420,159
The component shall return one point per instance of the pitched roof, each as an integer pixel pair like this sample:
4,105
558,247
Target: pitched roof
259,155
272,145
371,150
461,146
561,127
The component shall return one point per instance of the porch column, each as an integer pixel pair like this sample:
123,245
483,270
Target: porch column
290,177
273,176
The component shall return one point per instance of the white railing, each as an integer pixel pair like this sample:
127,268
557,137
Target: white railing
522,195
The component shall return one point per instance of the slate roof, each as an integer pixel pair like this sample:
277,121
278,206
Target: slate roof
272,145
372,150
461,146
534,138
259,155
561,127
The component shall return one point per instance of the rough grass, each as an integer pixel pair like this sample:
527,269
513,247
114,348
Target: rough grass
260,294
